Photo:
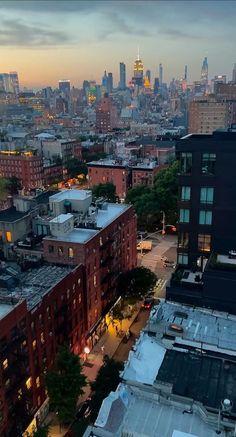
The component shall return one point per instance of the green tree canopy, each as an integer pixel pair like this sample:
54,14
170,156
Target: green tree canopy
65,384
166,189
75,167
14,184
136,282
107,190
106,381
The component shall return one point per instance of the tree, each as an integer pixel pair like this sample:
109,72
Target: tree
107,380
107,190
75,167
137,282
65,384
14,185
42,431
166,189
4,189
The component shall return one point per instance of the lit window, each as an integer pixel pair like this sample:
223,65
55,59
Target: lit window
34,343
80,298
185,193
37,382
95,280
204,242
208,163
60,251
182,258
205,217
9,236
42,338
70,252
5,364
79,281
206,195
184,215
29,383
183,240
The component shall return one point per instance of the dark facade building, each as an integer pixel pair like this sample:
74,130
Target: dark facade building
207,217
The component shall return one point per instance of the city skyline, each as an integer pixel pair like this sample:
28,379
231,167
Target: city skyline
78,40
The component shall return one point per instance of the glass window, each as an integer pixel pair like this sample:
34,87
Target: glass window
185,193
208,163
183,240
182,258
60,251
95,280
206,195
205,217
9,236
5,364
204,242
186,163
70,252
184,215
50,248
29,383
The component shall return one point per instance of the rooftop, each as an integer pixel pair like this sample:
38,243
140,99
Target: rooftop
201,328
61,218
71,195
11,215
35,283
136,413
78,235
5,309
144,164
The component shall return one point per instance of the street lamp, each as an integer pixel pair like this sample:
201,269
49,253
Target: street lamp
86,351
163,222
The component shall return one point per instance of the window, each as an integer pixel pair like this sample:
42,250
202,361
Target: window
206,195
185,193
50,248
184,215
29,383
186,163
183,240
95,280
37,382
9,236
205,217
5,364
208,163
70,252
60,251
183,259
34,343
204,242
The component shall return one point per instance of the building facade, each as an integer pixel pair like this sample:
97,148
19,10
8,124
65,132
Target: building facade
26,166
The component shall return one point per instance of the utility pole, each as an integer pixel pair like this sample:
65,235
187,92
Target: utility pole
163,222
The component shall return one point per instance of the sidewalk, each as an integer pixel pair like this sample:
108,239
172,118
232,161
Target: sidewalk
110,341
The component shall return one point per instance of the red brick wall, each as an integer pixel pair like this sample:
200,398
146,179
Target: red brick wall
101,175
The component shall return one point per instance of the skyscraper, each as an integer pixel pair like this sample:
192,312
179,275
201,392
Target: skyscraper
105,81
156,85
148,75
234,74
138,72
9,82
186,72
109,83
64,88
160,75
14,80
204,72
122,84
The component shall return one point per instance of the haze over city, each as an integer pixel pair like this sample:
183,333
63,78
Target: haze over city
47,40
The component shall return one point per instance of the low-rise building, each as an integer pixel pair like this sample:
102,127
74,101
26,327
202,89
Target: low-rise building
26,166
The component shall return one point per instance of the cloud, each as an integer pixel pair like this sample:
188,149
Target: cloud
53,6
15,33
119,25
180,34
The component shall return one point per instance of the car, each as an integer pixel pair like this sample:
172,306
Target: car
84,410
148,303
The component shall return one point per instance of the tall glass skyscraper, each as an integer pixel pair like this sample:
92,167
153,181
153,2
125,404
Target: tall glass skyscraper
122,84
204,72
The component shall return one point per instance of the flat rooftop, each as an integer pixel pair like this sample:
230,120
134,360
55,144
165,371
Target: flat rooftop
34,284
61,218
200,377
71,195
144,360
149,165
132,413
78,235
5,309
207,329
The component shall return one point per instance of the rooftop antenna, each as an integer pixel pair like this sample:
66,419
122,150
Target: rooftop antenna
138,54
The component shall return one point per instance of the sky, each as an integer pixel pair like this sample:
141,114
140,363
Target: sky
50,40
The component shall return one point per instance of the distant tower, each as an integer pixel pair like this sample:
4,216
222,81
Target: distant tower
138,71
204,72
13,75
122,84
160,75
234,74
64,88
109,83
186,73
148,75
156,85
105,80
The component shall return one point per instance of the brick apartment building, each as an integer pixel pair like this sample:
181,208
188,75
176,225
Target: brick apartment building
123,174
206,114
26,166
48,309
102,238
106,115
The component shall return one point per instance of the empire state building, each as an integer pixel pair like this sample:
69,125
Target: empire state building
138,72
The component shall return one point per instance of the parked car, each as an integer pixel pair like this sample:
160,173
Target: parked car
84,410
148,303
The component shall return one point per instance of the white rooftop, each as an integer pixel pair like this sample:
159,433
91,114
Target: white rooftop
62,218
226,260
5,309
139,414
144,361
201,327
71,195
78,235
